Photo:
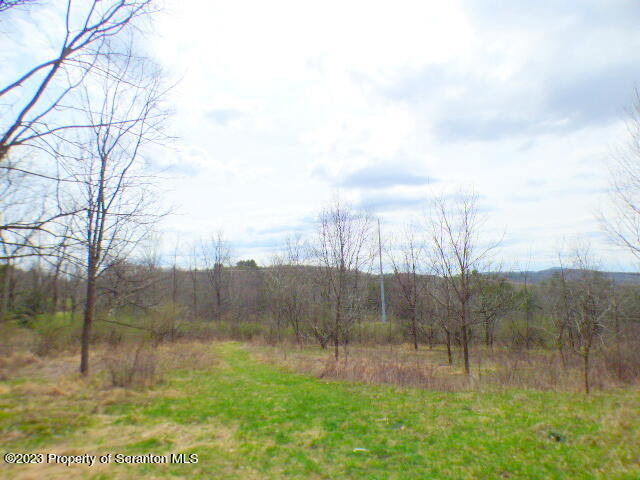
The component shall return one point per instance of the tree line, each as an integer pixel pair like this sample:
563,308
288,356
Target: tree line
322,290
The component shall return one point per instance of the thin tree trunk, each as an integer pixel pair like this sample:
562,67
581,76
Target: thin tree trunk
12,292
89,309
526,330
414,330
487,333
618,346
561,348
195,293
449,355
465,349
56,289
586,371
174,285
6,284
336,334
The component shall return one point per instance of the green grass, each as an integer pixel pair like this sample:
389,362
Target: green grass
247,419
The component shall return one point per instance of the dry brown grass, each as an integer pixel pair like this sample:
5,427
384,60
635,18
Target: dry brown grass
104,436
154,360
396,368
429,369
187,354
48,394
145,363
396,365
17,360
132,365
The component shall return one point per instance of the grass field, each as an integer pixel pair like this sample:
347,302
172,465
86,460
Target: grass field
247,419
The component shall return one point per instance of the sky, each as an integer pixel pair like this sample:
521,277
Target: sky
280,106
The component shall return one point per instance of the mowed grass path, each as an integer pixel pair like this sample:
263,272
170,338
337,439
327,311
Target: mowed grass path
250,420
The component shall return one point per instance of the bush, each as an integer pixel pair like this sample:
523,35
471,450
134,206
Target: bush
623,364
16,338
166,321
132,365
247,331
377,333
55,333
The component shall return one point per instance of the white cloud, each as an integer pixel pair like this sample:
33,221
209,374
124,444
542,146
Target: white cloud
309,95
281,103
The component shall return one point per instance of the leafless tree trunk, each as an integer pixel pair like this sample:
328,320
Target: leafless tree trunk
7,273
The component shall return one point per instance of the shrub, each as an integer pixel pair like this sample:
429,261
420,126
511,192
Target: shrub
378,333
132,365
55,333
166,321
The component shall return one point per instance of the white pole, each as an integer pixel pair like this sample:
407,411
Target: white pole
383,311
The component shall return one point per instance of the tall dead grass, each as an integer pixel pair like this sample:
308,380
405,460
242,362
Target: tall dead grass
498,369
129,365
147,363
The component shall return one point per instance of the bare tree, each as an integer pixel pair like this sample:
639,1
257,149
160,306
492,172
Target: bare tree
444,310
455,225
561,310
407,261
193,276
106,163
623,222
216,254
495,298
527,303
342,250
593,302
19,197
288,286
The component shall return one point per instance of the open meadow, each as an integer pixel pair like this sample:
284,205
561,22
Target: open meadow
248,415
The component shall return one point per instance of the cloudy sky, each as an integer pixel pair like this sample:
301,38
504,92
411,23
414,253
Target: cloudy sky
281,105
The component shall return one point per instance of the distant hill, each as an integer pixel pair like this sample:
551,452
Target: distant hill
542,275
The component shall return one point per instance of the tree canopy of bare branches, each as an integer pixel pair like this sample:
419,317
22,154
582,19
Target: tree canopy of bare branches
42,91
623,223
7,4
457,251
42,109
215,255
408,269
343,249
